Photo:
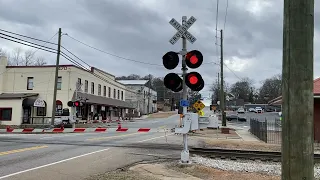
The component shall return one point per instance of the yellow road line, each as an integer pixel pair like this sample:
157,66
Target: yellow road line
22,150
110,137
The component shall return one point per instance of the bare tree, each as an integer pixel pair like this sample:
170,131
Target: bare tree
28,59
15,58
40,61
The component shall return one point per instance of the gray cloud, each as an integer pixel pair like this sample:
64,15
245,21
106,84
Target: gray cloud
139,30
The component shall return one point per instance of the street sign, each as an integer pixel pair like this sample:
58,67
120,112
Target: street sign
184,103
198,105
182,30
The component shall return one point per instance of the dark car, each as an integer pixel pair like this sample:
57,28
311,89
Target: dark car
235,117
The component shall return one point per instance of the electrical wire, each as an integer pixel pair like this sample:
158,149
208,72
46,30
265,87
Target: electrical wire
111,53
28,37
27,41
225,17
27,44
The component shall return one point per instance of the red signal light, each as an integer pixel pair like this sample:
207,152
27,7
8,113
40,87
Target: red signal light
194,81
77,103
194,59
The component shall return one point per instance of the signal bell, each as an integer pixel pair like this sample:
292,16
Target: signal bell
194,81
194,59
170,60
173,82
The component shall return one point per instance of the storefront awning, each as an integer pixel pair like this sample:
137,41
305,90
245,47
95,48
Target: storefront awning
33,102
102,100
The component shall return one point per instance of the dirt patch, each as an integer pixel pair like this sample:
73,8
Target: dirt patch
204,172
162,115
239,144
215,133
121,175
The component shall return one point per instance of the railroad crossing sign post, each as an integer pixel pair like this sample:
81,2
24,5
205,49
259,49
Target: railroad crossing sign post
182,32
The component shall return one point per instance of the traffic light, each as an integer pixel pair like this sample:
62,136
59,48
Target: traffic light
194,80
75,104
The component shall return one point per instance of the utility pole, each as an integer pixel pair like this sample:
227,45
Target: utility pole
218,86
56,80
223,117
149,94
297,90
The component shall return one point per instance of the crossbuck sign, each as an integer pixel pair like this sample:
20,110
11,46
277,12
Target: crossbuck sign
182,30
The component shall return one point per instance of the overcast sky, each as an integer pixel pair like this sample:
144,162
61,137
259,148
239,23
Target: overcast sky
140,30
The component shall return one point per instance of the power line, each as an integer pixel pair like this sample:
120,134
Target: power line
76,56
65,56
225,17
111,53
232,71
26,41
28,37
27,44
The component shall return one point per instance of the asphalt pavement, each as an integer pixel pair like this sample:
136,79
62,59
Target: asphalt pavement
80,155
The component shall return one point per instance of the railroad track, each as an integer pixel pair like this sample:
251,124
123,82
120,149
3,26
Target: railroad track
242,154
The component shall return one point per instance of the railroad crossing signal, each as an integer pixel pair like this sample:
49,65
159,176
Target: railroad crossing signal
182,30
74,104
198,106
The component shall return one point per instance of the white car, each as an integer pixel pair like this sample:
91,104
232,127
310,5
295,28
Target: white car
240,110
258,110
252,110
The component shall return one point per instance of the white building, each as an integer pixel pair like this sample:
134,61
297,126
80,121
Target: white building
139,98
26,93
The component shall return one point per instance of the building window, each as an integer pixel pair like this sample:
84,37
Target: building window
86,84
121,95
59,83
99,89
30,83
41,111
5,114
104,91
92,87
109,92
79,80
118,94
114,93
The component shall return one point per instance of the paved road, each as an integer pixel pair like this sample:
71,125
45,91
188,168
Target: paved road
77,156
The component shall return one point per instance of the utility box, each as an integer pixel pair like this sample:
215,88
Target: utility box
190,122
213,122
203,122
194,121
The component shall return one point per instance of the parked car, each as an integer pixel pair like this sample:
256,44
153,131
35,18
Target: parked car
252,110
241,110
258,110
235,117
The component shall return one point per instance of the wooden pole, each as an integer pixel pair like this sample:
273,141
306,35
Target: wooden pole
297,90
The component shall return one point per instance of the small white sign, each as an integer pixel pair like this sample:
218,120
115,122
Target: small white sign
39,103
92,108
103,108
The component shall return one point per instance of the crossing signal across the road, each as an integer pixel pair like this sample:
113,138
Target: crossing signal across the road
75,104
173,82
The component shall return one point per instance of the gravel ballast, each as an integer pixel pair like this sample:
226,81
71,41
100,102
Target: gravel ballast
271,168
